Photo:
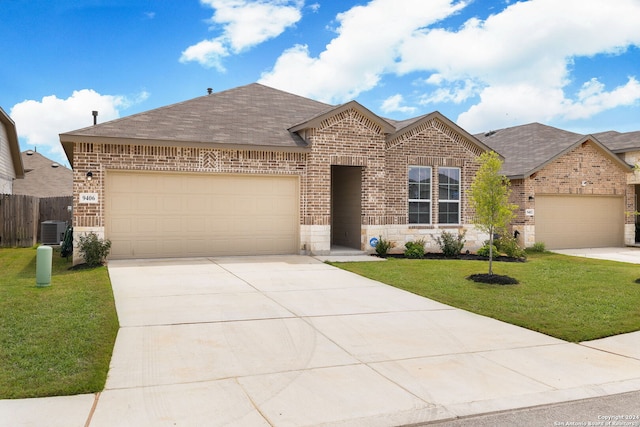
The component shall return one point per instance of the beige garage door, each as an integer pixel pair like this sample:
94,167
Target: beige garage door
159,215
569,222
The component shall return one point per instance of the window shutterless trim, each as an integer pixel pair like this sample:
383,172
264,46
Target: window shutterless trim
450,201
422,201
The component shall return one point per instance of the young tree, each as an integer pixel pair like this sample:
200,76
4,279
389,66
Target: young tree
489,197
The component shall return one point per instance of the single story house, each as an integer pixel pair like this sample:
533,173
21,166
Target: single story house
573,191
43,177
255,170
11,167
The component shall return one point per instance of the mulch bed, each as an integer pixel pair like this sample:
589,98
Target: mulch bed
468,257
83,266
493,279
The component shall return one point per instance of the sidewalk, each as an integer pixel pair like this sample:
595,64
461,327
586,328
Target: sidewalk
290,341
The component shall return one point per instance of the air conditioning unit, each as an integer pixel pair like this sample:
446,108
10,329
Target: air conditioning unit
52,232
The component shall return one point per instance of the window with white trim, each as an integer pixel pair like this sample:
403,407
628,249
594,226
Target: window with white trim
448,195
419,195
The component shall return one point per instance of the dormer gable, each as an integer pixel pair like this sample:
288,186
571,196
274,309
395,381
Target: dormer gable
335,115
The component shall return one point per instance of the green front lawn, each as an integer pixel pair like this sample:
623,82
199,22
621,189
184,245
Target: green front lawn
574,299
55,340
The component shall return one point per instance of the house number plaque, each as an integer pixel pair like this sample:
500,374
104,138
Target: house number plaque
88,197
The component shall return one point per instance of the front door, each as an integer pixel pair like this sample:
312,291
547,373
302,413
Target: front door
346,195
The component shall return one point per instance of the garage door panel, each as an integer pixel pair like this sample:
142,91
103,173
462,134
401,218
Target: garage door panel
170,225
144,184
196,225
121,225
172,214
218,226
125,201
172,184
145,225
140,202
197,203
579,221
196,246
142,248
123,250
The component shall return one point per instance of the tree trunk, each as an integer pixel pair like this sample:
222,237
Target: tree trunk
491,251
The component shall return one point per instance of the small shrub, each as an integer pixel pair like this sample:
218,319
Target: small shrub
484,251
93,249
509,245
414,249
451,245
537,247
384,246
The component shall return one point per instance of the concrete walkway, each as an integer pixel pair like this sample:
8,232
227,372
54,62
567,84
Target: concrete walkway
291,341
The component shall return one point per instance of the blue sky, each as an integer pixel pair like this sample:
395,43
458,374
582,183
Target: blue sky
485,64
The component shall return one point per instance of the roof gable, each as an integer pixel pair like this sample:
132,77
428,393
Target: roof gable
529,148
321,118
587,138
406,129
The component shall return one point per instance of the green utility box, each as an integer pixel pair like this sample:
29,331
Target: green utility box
44,258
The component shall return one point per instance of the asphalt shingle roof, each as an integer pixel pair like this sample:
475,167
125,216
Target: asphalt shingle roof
43,177
254,115
528,146
259,116
619,142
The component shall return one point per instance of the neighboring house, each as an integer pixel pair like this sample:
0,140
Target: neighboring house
627,147
43,177
10,163
573,190
254,170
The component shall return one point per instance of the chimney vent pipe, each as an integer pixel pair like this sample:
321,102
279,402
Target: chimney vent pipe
95,117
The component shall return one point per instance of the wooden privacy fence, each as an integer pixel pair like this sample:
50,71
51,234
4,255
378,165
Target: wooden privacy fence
21,216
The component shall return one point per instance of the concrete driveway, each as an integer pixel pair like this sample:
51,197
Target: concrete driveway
291,341
622,254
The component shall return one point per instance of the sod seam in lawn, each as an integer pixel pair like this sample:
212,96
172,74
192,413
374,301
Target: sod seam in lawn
55,340
574,299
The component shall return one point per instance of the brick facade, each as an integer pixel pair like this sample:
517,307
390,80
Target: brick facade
100,158
586,164
347,138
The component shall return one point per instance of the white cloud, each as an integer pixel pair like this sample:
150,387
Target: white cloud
509,105
394,104
516,65
365,48
593,99
456,92
39,123
207,52
520,60
244,24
